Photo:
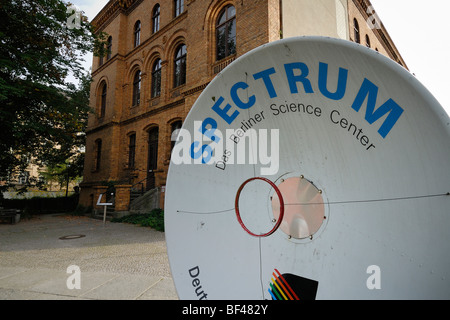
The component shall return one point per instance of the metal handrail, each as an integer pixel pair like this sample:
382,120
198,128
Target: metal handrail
141,183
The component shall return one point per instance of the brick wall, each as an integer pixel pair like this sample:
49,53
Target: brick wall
195,28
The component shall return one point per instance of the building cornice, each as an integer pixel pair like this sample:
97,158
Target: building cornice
112,9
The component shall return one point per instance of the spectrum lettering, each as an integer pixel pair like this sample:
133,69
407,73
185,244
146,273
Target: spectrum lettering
296,77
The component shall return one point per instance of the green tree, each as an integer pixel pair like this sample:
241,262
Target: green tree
42,115
69,148
64,161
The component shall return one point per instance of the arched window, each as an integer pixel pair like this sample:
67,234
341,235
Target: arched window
356,31
131,150
367,41
98,154
109,48
156,78
174,129
155,18
152,160
179,7
226,32
180,66
103,100
137,33
137,88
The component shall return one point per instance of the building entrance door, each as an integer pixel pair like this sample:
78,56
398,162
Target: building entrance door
152,162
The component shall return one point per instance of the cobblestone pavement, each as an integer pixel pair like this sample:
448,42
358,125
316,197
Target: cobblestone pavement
116,260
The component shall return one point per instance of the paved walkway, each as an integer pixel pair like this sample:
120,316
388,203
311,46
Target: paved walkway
116,260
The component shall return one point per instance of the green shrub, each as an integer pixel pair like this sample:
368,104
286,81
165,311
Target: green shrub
154,219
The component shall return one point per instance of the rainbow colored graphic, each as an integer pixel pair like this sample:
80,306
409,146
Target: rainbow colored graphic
280,288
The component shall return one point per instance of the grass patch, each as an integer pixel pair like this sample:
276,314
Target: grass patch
154,219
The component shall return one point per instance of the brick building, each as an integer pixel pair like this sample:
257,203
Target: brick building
162,53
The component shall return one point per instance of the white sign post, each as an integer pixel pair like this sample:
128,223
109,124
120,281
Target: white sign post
105,205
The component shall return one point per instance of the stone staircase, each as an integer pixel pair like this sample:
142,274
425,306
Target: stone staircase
135,194
142,203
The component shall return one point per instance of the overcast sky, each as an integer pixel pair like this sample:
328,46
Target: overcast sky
418,28
420,31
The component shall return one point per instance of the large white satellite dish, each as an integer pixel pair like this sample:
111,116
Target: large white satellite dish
311,168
